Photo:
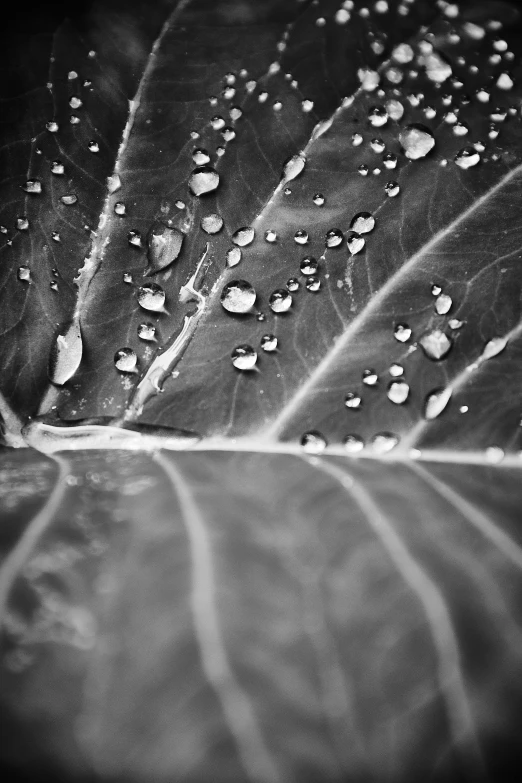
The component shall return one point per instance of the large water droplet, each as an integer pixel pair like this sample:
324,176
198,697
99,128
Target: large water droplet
398,392
293,167
151,296
416,141
280,301
435,344
238,296
66,354
363,223
467,157
243,236
355,243
163,246
125,360
436,402
313,442
212,224
443,304
233,256
203,180
244,357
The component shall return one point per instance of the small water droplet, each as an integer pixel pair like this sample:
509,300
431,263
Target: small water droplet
505,82
416,141
483,95
293,167
212,224
22,223
244,357
437,68
269,342
313,442
75,102
52,127
313,284
238,296
383,442
243,236
377,145
301,237
334,237
270,235
436,402
125,360
200,157
309,265
93,146
369,79
66,353
57,167
233,256
217,122
203,179
493,347
228,133
377,116
147,331
353,401
396,370
353,444
395,109
56,236
134,238
318,199
24,273
280,301
363,170
235,113
292,284
357,140
163,246
398,392
392,189
362,223
33,186
69,199
151,296
403,53
494,454
120,208
389,160
370,378
402,333
443,304
467,157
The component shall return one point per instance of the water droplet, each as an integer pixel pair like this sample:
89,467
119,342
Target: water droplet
292,284
307,105
93,146
443,304
203,180
244,357
24,273
362,223
74,119
483,95
370,378
301,237
334,237
22,223
460,129
134,238
436,402
363,170
435,344
120,208
200,157
395,109
269,342
396,370
467,157
398,392
228,133
56,236
383,442
318,199
309,265
353,401
69,199
377,145
357,140
355,243
238,296
293,167
57,167
313,442
163,246
377,116
353,444
228,93
33,186
369,79
494,454
280,301
402,333
66,353
151,296
403,53
313,284
437,69
389,160
416,141
392,189
75,102
52,127
127,278
217,122
147,331
505,82
493,347
243,236
212,224
125,360
270,235
233,256
235,113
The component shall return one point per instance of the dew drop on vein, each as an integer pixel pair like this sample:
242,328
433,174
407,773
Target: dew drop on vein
383,442
353,444
313,442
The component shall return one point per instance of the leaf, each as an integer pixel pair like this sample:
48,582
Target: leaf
281,541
